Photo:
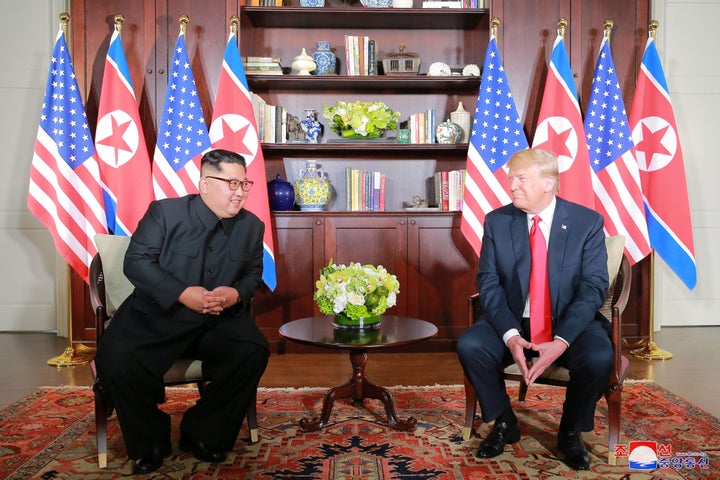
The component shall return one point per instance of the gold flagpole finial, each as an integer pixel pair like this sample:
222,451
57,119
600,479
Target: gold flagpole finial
234,24
607,27
562,26
119,19
184,20
652,28
494,24
64,21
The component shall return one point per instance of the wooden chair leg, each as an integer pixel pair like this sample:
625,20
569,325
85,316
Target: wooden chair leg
470,406
522,391
101,417
614,401
252,420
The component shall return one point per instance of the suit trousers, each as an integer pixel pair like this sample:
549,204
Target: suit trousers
233,368
589,360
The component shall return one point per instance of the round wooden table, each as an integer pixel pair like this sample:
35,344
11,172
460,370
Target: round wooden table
393,332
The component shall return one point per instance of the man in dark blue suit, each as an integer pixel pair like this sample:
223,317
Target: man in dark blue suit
195,262
578,282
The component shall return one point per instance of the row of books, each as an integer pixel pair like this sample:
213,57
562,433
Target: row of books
360,51
452,4
365,190
261,3
422,126
449,188
263,65
272,121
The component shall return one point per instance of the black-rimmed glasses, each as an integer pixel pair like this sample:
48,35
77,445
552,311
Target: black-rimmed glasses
234,183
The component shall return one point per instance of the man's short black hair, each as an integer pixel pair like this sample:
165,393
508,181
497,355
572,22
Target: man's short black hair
214,158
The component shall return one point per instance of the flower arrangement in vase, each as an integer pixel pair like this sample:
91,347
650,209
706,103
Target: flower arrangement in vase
360,119
356,294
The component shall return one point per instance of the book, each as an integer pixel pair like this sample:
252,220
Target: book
372,60
443,4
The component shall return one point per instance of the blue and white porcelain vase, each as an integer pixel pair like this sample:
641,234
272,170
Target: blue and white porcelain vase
312,3
324,59
312,189
311,127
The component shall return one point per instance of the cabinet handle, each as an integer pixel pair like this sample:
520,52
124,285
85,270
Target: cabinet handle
402,222
161,71
149,71
318,222
412,222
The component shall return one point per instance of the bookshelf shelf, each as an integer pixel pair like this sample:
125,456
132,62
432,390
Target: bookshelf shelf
389,84
376,18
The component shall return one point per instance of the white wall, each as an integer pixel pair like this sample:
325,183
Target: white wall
688,45
33,284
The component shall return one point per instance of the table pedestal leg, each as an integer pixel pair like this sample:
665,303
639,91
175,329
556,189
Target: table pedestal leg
358,388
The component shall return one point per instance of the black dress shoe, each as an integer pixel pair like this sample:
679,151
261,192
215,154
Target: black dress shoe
201,450
152,461
504,431
572,447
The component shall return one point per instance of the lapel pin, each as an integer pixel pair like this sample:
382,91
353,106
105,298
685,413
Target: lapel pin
563,226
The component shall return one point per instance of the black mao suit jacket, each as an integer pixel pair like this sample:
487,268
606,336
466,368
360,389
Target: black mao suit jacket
577,268
168,253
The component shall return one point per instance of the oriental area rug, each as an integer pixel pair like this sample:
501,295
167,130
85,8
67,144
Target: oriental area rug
51,435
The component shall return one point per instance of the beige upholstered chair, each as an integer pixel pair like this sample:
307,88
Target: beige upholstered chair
620,277
108,288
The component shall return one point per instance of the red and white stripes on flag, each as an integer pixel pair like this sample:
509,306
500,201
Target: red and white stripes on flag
496,134
65,193
233,128
560,129
182,135
616,178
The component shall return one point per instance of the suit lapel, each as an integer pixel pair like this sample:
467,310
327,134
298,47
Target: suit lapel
521,244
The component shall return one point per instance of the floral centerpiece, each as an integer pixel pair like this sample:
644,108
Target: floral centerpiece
360,119
356,294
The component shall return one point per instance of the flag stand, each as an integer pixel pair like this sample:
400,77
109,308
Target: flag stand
71,357
651,351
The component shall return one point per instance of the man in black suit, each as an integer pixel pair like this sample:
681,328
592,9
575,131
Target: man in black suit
195,262
578,283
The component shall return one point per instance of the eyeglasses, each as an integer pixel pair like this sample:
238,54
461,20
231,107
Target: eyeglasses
234,183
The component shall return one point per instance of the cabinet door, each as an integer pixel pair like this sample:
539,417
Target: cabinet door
441,274
299,256
375,239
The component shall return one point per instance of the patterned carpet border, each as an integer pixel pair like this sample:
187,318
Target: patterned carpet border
51,435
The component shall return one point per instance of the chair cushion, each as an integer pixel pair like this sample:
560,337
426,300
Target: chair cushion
615,247
184,370
112,250
554,372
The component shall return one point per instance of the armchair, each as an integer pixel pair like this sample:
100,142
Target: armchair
615,302
108,288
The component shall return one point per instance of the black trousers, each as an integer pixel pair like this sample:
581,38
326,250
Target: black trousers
589,360
136,388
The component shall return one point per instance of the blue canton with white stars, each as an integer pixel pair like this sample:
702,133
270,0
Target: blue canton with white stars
63,114
497,130
606,123
182,133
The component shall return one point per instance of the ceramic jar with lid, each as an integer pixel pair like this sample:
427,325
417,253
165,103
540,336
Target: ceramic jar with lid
312,188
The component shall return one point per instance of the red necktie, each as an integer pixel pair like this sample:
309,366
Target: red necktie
540,312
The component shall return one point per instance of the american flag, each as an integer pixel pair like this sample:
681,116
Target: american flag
560,129
662,171
616,179
233,128
120,143
65,193
496,134
182,134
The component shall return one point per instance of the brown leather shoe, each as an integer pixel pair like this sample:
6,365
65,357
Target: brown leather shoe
503,432
573,449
